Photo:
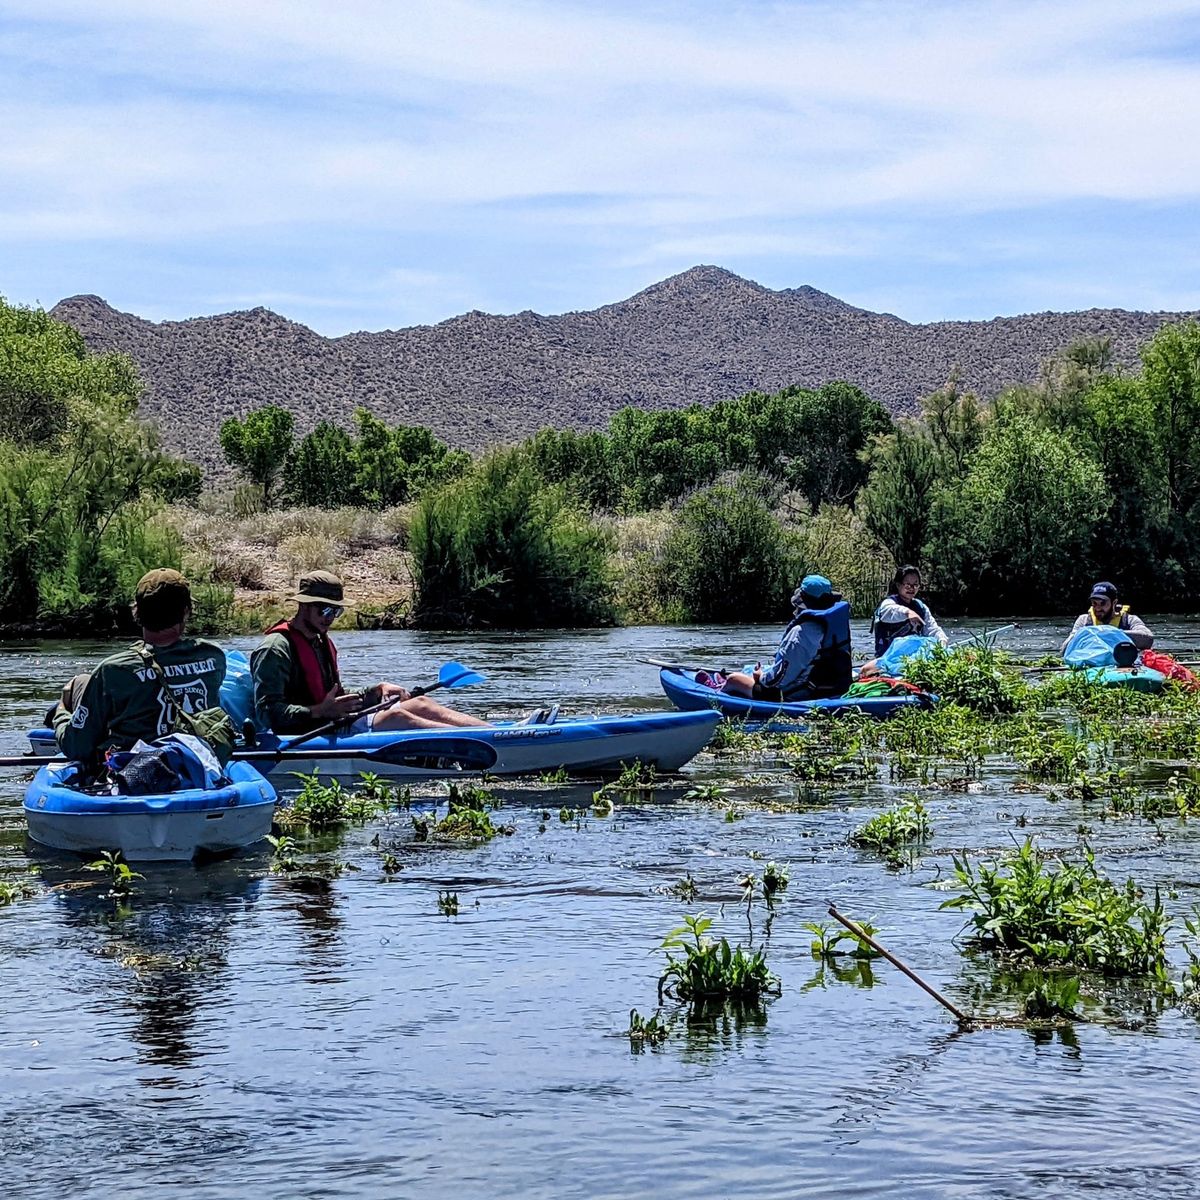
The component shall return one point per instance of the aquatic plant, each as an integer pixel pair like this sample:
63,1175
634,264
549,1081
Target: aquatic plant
390,863
283,853
320,805
706,793
635,776
120,874
1052,754
602,804
829,940
642,1032
686,888
896,828
1062,912
558,775
447,903
470,795
775,879
1052,996
712,970
977,677
10,892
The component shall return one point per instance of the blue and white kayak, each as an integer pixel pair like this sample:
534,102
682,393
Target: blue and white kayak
685,693
171,826
1134,679
665,740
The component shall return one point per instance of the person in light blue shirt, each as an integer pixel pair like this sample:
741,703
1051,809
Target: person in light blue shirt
813,658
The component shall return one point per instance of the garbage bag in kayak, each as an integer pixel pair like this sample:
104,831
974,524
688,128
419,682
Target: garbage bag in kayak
1099,646
912,645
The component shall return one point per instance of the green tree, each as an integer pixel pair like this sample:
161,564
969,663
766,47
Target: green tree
896,502
258,445
320,470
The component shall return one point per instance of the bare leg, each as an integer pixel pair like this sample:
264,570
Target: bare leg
423,713
739,684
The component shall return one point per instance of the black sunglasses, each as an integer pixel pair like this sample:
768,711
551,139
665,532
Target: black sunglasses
331,611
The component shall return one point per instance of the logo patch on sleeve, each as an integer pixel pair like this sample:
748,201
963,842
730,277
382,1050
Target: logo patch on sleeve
79,717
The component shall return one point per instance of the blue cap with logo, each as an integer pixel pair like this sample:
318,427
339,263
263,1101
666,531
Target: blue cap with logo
812,587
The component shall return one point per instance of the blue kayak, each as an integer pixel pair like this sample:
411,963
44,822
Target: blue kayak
685,693
1134,679
664,740
170,826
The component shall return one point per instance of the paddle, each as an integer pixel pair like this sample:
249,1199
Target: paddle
451,675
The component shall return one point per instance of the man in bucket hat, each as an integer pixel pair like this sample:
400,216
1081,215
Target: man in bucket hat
296,681
1104,609
813,658
123,701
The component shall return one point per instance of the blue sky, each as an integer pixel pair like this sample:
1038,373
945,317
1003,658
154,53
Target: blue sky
370,165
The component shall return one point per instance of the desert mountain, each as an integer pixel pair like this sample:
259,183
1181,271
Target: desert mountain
480,379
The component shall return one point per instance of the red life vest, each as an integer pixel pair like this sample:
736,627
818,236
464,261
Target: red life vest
316,684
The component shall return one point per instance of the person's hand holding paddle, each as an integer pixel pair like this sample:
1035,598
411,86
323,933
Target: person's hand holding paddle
338,705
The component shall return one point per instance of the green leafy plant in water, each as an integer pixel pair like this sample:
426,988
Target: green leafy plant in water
1053,754
447,903
893,830
375,789
712,970
686,889
471,796
636,776
733,813
602,803
833,941
775,879
120,874
326,805
11,892
643,1032
1065,913
558,775
283,853
706,793
977,677
390,863
566,815
1052,997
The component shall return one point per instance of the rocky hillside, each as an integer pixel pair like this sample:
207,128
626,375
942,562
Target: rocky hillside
480,379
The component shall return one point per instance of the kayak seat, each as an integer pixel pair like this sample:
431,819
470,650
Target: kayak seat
542,716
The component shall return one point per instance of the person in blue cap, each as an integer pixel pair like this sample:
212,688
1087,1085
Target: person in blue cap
1105,610
813,659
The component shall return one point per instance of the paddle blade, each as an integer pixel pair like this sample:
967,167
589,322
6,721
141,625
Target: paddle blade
455,675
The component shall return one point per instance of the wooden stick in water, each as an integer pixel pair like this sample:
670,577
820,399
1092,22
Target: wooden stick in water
862,934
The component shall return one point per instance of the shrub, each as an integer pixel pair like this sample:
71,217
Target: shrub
502,548
728,558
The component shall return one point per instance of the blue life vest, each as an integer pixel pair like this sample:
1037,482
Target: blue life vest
831,673
887,632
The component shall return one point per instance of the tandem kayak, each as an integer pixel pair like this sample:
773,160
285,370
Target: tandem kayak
173,826
665,740
685,693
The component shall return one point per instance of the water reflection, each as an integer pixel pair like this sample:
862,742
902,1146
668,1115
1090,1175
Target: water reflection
171,935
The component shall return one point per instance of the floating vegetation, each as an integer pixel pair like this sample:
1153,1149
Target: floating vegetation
390,863
643,1032
602,804
977,677
1056,912
832,941
558,775
11,892
774,880
447,903
1052,996
686,889
894,830
712,970
1050,754
636,776
707,793
322,805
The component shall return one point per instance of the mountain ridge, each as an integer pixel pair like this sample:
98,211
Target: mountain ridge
479,379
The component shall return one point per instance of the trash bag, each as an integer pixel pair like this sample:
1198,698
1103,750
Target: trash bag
1098,646
237,689
169,764
912,645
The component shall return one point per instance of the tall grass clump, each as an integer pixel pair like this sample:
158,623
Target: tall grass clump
502,548
974,676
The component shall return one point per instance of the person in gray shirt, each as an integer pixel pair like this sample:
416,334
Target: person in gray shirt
1105,609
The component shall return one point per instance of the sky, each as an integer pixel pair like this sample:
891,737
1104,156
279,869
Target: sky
372,165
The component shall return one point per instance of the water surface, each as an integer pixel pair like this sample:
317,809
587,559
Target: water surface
244,1033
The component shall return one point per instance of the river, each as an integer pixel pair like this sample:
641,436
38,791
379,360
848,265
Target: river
247,1033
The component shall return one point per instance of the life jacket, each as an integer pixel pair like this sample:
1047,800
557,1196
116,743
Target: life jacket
831,673
1119,612
886,632
317,681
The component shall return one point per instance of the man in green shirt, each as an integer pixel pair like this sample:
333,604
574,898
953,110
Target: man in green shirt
297,686
124,699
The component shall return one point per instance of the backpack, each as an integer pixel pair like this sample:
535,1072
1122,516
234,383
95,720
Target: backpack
211,725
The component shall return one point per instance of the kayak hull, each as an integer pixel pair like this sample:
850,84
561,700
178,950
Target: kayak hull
686,694
1135,679
665,740
176,826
